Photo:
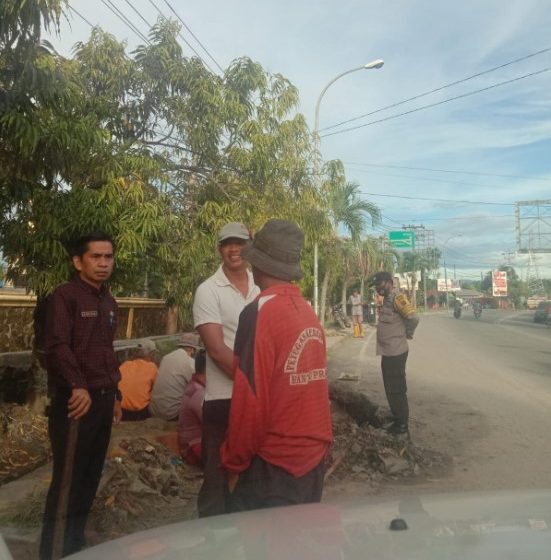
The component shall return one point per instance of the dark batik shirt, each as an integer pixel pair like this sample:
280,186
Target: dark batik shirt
81,326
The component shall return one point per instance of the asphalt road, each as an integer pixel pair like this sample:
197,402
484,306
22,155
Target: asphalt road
479,391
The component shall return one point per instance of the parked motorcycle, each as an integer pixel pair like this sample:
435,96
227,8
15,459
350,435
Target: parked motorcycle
340,317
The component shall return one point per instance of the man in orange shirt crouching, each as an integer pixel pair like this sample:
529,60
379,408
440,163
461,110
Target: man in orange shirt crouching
137,379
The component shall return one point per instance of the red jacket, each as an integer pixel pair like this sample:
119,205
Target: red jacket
280,403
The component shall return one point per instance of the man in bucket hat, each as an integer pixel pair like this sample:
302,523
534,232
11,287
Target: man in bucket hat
280,422
218,302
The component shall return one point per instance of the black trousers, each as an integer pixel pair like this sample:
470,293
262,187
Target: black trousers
264,485
394,379
213,495
94,431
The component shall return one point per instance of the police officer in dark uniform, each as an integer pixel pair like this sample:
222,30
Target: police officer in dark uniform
397,323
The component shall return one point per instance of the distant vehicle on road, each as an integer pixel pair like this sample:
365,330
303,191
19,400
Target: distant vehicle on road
543,312
534,301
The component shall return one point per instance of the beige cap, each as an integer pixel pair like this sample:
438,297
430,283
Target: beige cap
234,229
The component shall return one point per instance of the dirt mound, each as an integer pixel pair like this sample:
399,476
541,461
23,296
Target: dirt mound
24,443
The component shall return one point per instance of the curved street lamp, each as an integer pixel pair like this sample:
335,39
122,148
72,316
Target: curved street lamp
374,64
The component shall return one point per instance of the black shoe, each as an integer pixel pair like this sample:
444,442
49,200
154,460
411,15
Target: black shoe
398,429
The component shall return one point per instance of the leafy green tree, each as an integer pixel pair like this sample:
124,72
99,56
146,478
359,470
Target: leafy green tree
150,147
419,261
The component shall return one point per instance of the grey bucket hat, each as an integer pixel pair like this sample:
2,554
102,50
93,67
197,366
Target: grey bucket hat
190,339
276,249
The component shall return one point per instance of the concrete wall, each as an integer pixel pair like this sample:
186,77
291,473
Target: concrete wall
21,376
137,317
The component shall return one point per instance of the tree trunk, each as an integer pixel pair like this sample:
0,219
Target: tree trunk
323,297
172,320
343,296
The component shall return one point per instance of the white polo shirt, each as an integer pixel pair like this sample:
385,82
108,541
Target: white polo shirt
218,301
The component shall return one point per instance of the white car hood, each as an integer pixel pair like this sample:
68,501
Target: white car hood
482,526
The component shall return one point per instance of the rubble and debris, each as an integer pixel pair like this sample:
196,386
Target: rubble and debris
368,452
24,441
144,484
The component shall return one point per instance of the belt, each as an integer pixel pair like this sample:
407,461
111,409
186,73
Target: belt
103,392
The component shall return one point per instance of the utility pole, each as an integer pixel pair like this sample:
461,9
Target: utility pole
424,242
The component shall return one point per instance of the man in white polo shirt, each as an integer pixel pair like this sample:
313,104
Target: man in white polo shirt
218,303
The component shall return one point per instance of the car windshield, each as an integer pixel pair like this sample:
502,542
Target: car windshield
244,243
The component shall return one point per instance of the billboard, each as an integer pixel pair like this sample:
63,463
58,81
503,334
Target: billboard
499,283
452,285
407,280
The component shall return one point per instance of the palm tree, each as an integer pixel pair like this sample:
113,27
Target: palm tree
369,254
424,262
347,211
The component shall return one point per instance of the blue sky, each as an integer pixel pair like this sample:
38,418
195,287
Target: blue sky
505,131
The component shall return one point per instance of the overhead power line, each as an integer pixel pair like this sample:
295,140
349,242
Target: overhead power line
469,218
149,26
522,58
80,16
194,36
431,179
499,84
125,20
183,38
441,199
448,171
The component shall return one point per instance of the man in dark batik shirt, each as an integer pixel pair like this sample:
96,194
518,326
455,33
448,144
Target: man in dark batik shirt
83,375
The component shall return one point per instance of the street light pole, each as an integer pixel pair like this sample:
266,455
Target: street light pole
445,268
375,64
445,279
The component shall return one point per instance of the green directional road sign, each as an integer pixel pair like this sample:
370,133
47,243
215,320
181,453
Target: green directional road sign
402,239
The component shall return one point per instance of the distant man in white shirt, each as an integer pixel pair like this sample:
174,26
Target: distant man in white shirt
175,372
218,303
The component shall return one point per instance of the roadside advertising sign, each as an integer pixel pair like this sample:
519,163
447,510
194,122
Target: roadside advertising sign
407,280
402,239
499,283
452,286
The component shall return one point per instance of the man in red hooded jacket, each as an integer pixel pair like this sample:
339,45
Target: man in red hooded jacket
280,421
